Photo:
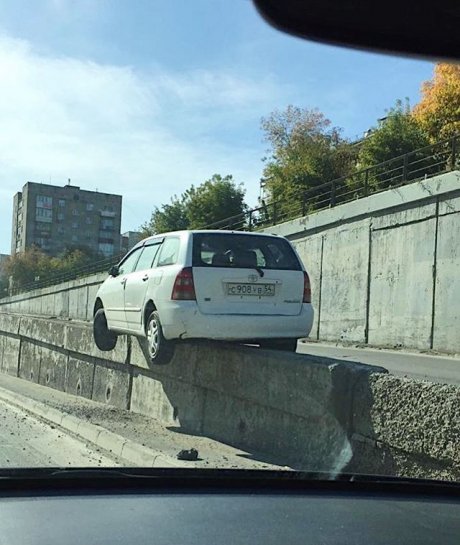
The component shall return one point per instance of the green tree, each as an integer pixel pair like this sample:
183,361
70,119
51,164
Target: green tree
213,201
399,134
168,217
26,266
305,152
34,265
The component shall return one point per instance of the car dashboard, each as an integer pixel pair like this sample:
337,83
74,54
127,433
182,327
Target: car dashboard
238,511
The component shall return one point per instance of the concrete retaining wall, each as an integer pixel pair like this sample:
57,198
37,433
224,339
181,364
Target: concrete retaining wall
74,299
385,270
307,412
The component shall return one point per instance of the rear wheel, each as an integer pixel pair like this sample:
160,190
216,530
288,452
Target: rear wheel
288,345
160,349
105,339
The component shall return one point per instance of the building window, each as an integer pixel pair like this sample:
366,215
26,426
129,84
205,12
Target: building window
107,224
74,238
44,202
60,216
43,215
61,230
74,212
61,202
104,240
43,211
89,221
42,242
89,206
45,228
75,224
106,249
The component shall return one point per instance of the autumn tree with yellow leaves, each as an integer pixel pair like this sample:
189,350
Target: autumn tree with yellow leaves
438,112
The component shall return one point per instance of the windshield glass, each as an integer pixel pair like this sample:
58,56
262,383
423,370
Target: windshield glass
220,250
280,220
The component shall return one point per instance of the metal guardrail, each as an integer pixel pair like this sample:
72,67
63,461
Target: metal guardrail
416,165
59,277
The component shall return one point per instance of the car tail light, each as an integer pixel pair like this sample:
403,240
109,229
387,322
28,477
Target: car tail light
184,288
306,288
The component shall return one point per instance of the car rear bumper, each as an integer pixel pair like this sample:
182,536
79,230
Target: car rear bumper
183,320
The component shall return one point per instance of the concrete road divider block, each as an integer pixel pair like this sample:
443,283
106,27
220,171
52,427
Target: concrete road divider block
317,441
280,380
79,339
47,331
9,323
80,376
412,416
53,368
182,366
29,366
173,402
111,386
10,355
308,412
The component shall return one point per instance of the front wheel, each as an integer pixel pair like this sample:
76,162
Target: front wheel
288,345
160,349
105,339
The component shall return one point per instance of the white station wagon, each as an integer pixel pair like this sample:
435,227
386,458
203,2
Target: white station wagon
221,285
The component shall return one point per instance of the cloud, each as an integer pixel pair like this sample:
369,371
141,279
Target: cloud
145,135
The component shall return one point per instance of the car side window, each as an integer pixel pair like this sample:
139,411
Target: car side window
127,266
147,257
169,252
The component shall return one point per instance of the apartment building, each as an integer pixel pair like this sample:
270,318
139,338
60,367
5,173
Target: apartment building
58,218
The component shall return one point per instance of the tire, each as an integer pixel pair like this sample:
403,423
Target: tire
288,345
105,339
160,350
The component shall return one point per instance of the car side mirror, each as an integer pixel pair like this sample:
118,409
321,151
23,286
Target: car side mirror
114,271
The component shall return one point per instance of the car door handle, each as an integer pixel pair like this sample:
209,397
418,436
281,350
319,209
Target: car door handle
145,278
123,281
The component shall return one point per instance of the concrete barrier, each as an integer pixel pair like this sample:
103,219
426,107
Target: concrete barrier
306,412
73,299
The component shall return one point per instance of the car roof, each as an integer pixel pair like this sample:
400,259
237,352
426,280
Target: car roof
205,231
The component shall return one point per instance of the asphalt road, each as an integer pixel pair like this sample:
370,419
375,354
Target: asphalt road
28,442
442,369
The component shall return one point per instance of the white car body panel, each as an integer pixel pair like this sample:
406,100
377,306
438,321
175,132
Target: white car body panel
216,314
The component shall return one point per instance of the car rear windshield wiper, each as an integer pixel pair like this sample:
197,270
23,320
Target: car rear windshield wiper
260,271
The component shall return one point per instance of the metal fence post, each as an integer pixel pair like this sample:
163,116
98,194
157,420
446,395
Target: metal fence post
405,168
333,193
366,183
250,221
304,204
453,158
274,214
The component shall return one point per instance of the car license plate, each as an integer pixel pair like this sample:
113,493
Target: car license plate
261,290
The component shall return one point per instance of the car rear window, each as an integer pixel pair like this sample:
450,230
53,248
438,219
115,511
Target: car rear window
243,251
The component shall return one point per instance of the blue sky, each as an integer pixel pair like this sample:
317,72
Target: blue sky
145,97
